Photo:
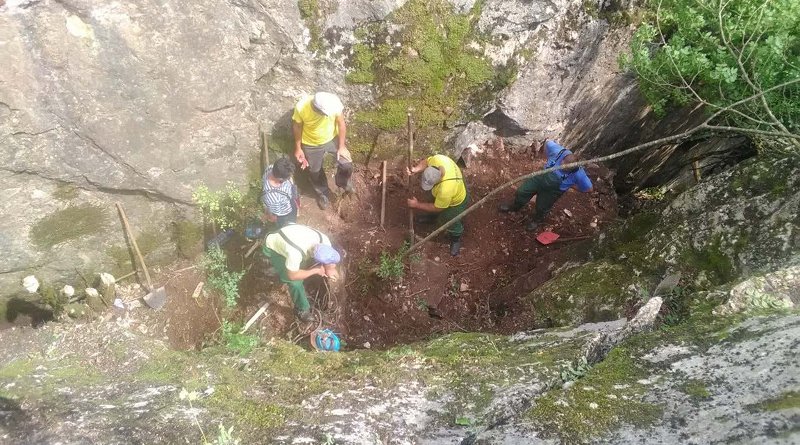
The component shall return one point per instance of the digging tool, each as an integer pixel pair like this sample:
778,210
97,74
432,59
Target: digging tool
155,297
546,238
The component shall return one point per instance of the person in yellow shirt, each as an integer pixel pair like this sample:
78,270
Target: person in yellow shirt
318,127
442,177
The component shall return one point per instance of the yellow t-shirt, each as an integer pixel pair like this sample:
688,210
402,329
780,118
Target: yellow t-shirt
304,237
450,191
317,128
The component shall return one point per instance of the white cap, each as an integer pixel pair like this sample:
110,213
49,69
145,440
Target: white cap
328,103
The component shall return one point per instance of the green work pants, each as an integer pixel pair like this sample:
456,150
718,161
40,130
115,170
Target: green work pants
296,289
449,213
547,189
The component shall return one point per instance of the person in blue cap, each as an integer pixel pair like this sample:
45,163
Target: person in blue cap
549,187
289,249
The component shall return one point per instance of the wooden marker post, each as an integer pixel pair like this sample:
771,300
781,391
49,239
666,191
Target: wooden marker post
410,164
383,194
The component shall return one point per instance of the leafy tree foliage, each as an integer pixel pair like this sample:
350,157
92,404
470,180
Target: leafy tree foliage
716,53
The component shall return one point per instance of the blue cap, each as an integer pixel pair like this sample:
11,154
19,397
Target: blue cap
325,254
325,340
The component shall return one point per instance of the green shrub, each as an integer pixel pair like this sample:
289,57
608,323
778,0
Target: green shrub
220,277
241,344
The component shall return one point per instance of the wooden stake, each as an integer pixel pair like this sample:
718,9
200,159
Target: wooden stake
253,319
383,195
696,171
410,161
135,246
252,248
264,150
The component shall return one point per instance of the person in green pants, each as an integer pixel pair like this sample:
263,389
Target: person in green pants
442,177
549,187
292,246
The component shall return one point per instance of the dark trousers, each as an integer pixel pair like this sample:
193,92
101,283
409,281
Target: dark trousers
286,219
315,155
547,189
457,229
449,213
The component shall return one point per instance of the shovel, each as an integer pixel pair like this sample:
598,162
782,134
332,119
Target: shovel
546,238
155,297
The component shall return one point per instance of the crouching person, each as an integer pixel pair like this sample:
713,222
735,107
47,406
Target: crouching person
294,246
443,179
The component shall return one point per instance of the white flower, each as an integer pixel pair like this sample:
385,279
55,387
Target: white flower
68,290
30,283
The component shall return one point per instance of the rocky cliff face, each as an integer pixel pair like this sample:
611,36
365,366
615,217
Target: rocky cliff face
142,102
132,102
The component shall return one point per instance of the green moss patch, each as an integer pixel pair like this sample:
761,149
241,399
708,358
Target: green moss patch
426,59
696,389
607,397
71,223
149,241
65,192
594,292
787,400
249,414
16,368
187,237
711,259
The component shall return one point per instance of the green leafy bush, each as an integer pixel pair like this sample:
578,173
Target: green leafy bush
706,52
241,344
224,208
220,277
392,266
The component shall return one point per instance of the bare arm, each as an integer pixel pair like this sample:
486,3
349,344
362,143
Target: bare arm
297,131
302,274
342,131
421,165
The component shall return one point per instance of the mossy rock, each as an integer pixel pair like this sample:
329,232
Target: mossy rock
188,238
71,223
594,292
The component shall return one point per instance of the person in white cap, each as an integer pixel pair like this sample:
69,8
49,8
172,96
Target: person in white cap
442,177
318,126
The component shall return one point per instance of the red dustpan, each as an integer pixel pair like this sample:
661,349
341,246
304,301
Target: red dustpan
547,237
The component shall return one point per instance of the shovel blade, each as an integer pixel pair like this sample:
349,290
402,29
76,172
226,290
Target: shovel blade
156,298
547,237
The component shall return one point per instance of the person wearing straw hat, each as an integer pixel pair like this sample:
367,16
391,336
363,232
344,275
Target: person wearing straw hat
318,127
549,187
289,249
442,177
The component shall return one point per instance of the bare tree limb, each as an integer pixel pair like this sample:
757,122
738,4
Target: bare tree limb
677,138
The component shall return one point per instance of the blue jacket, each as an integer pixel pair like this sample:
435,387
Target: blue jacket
555,156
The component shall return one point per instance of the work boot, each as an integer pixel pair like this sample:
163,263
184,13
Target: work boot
323,202
507,208
424,218
348,188
305,316
455,246
531,226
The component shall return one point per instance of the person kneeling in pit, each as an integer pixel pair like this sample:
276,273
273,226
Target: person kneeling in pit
292,246
442,177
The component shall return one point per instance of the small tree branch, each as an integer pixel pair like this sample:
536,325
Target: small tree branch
658,142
